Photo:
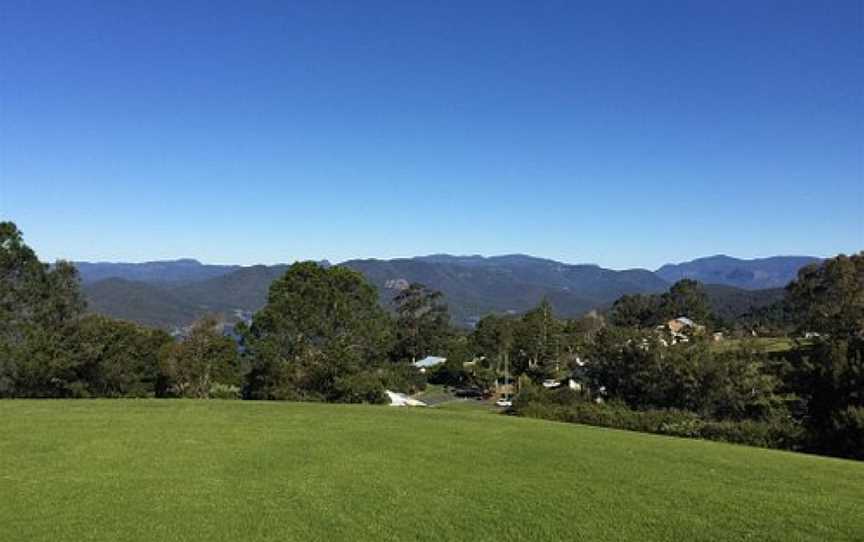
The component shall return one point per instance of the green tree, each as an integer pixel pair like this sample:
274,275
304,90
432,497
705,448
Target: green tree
492,343
319,329
117,359
635,367
493,337
686,298
202,361
422,323
829,297
537,342
637,310
39,307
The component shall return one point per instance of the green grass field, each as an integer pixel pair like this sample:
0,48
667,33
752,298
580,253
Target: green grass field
769,345
212,470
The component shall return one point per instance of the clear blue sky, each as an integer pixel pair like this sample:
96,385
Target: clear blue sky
622,133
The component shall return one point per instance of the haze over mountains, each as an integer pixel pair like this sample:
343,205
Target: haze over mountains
174,293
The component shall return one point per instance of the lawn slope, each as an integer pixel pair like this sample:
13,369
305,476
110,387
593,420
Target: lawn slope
210,470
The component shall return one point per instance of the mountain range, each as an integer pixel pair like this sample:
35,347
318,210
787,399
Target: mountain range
774,272
172,294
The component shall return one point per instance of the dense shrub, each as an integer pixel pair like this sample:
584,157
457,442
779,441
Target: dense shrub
848,429
224,391
572,408
778,433
359,388
402,377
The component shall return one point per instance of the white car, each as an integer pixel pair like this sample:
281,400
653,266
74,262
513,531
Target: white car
551,383
506,403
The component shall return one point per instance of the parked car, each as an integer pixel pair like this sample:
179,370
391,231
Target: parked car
469,392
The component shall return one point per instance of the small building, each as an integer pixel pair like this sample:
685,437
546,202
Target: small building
680,328
428,362
681,324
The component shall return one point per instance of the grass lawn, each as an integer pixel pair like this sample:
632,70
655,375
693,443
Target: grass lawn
769,345
212,470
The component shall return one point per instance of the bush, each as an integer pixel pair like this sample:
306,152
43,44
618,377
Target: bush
402,377
224,391
359,388
572,408
848,432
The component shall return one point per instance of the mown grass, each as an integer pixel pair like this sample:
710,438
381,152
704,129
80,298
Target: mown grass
212,470
769,345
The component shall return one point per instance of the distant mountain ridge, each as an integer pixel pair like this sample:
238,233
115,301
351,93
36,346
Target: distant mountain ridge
759,273
474,285
174,293
165,271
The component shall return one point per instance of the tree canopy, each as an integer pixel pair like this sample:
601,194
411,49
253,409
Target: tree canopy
320,327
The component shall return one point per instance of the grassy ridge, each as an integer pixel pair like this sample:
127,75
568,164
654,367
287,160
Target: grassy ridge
210,470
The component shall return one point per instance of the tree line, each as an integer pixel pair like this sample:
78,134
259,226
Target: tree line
808,395
323,336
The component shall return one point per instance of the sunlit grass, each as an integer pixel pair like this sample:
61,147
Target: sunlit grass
212,470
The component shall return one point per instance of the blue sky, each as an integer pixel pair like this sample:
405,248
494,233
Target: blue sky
620,133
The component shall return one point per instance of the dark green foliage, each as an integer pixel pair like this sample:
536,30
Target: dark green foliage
636,310
537,343
829,376
847,432
763,310
39,308
401,377
493,336
829,298
320,327
118,359
454,372
685,298
47,349
422,323
775,433
203,362
636,368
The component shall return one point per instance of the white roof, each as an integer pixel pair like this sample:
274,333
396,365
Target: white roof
429,361
686,321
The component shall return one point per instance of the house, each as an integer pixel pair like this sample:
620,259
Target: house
680,328
429,362
681,324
